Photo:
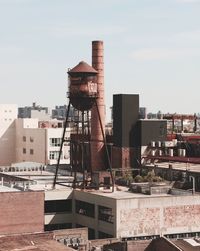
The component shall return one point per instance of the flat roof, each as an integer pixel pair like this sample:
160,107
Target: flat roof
123,193
34,180
32,242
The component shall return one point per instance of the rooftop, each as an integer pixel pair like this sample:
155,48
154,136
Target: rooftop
31,242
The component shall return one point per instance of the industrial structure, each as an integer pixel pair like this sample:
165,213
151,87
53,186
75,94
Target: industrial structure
90,195
89,151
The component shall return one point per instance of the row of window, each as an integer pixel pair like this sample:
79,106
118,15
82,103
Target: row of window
7,119
55,141
88,209
55,155
58,206
82,207
31,151
52,154
31,139
52,141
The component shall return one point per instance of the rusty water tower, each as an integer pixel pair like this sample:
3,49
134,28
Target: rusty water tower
86,94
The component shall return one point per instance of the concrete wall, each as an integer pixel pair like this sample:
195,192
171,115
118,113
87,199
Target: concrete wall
58,218
158,215
35,139
94,223
38,139
21,212
8,113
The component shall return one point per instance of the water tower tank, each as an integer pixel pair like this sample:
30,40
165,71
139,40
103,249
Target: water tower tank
82,86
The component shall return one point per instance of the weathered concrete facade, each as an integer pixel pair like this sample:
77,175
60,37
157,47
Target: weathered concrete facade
137,215
158,215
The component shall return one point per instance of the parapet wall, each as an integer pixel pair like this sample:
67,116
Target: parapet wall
159,215
21,212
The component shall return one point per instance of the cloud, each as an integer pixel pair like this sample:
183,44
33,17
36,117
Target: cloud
155,54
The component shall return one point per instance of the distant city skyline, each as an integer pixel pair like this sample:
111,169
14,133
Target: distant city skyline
152,48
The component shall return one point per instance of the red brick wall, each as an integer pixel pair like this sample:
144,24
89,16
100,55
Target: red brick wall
21,212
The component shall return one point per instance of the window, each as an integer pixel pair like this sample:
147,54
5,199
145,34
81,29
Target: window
55,155
31,151
31,139
24,138
85,208
105,214
55,141
58,206
103,235
51,227
24,150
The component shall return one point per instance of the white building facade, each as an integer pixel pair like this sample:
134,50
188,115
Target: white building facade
30,140
8,115
40,144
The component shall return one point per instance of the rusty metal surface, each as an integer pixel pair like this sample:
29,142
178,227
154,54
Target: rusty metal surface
97,151
82,67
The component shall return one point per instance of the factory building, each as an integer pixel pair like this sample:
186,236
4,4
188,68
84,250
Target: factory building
121,214
89,198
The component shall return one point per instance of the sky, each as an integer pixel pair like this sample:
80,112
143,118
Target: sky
151,48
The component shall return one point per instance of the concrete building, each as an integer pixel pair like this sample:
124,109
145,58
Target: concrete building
59,112
8,114
125,215
121,214
30,140
40,142
34,111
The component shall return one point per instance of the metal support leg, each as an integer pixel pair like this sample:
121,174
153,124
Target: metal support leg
61,146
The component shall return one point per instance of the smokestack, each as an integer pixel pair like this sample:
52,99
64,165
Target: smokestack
97,149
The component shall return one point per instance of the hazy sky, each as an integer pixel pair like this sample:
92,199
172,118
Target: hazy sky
152,47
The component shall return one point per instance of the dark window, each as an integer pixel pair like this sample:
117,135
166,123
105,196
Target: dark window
31,139
31,151
105,214
85,208
91,234
58,206
24,138
103,235
91,231
51,227
24,150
